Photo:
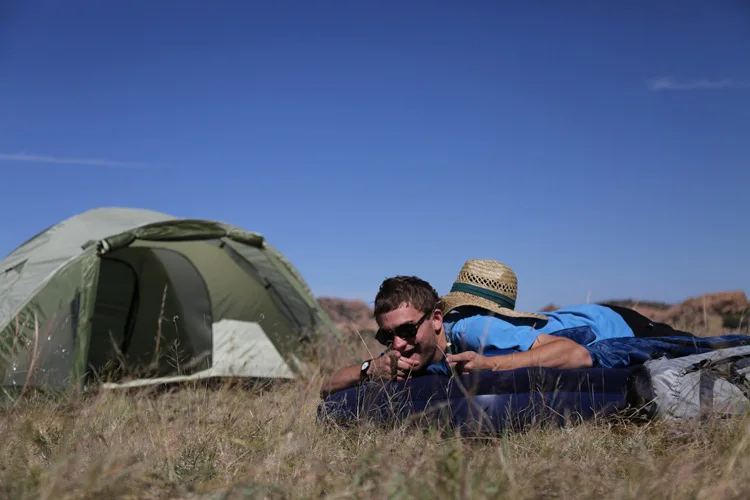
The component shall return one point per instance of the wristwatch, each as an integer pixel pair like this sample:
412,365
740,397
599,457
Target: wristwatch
363,370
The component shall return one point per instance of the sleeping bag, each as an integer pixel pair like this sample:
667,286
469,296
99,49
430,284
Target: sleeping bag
629,351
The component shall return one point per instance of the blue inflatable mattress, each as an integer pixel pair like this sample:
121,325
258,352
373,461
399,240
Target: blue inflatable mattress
486,402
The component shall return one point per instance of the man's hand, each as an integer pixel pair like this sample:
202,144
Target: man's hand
391,366
469,361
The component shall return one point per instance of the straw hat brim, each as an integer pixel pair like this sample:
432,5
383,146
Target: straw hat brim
453,300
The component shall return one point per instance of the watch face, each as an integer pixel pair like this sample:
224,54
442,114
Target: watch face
365,365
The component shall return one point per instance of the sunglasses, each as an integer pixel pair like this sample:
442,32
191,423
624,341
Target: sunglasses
406,331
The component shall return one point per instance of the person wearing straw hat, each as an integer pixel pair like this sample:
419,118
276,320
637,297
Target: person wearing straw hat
482,324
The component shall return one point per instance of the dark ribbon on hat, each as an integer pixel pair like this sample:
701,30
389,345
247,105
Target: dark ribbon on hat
497,298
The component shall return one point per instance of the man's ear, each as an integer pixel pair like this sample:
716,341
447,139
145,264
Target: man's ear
437,319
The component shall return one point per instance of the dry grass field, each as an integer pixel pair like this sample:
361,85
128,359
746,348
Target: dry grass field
228,441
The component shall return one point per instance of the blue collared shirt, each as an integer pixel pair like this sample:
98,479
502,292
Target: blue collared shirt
473,329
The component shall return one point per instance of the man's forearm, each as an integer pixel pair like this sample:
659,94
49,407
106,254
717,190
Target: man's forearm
343,379
560,353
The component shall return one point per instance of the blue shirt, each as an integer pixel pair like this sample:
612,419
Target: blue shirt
472,329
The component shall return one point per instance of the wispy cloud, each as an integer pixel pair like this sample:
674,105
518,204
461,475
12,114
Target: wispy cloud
669,83
92,162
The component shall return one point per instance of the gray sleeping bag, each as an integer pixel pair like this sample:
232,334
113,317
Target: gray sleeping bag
713,383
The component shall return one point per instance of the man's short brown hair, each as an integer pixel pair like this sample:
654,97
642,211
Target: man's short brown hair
399,290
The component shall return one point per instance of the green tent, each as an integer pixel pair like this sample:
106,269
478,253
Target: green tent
147,297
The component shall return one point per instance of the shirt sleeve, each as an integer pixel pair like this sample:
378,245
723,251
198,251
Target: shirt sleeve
492,335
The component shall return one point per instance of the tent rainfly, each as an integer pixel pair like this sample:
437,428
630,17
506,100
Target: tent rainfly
141,297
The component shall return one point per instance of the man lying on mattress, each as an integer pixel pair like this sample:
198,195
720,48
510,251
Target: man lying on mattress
476,327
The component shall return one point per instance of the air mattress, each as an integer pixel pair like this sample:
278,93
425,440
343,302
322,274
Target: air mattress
486,402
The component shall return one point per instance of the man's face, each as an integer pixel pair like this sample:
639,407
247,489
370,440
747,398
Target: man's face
423,347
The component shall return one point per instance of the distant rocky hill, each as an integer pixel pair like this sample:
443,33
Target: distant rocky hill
356,321
350,316
709,314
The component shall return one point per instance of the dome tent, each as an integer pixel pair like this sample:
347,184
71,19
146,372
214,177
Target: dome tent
154,295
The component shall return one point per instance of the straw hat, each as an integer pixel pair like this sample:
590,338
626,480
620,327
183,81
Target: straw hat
488,284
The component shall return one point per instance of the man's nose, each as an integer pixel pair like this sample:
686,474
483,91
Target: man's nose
399,343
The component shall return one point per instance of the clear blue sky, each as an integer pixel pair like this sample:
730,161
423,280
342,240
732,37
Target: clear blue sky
601,149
